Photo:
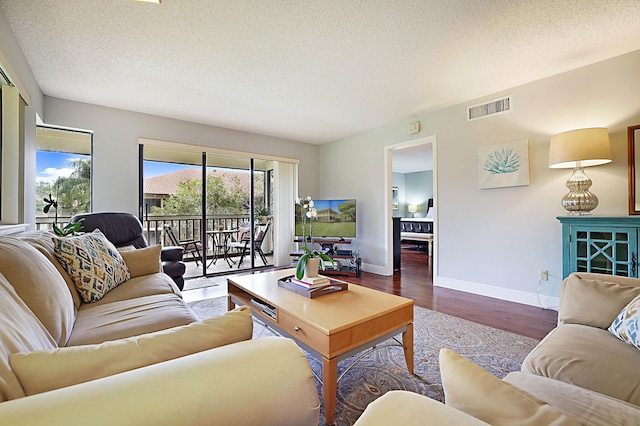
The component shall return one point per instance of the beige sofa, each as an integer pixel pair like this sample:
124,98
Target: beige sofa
581,351
580,373
138,355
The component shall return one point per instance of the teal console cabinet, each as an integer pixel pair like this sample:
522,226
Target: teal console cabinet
606,245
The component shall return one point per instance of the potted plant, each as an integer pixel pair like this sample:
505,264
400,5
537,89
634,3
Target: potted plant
263,213
311,259
69,228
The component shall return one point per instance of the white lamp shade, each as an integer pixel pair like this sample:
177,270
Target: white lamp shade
413,208
580,148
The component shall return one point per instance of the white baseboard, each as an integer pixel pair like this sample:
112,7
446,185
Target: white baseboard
532,299
374,269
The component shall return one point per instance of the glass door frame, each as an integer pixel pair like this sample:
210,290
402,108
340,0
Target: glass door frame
203,198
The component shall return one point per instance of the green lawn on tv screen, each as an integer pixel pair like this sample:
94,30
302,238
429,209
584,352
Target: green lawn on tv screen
329,229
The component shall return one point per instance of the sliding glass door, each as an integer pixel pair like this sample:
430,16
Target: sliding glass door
225,224
238,228
171,206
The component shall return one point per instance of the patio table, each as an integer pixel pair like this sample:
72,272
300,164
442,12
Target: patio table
219,240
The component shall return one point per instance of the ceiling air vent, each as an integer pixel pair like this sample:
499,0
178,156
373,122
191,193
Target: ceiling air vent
496,106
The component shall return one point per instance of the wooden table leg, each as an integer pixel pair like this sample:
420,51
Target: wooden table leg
407,342
329,387
230,304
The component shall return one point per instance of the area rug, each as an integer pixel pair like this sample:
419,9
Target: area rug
384,368
202,282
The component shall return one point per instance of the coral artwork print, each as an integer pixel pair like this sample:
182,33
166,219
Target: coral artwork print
504,165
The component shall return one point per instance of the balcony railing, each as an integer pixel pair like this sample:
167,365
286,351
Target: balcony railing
45,223
186,227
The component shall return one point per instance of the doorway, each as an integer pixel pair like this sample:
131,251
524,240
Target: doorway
412,179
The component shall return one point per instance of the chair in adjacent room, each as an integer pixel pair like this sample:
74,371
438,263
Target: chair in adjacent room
243,245
190,246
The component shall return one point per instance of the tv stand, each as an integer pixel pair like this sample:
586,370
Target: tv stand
345,263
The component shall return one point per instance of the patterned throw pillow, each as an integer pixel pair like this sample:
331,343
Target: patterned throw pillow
626,325
92,262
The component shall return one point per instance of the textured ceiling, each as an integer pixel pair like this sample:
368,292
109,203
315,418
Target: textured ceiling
308,70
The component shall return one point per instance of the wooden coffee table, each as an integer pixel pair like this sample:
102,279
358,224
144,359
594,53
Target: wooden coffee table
331,327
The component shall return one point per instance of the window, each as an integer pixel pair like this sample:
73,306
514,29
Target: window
63,174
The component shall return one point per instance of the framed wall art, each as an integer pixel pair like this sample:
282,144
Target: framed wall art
394,198
633,133
504,165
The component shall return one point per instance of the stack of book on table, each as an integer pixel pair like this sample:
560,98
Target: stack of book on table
312,287
266,308
310,282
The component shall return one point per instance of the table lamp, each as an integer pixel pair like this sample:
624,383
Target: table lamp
578,149
412,209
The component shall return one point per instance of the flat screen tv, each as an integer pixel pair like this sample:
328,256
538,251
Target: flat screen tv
336,219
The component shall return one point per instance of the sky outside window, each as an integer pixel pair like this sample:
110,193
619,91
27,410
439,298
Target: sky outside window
52,165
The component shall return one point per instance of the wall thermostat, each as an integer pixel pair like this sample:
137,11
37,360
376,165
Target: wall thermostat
414,127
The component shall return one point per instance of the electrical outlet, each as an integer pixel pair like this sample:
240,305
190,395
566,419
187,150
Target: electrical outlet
543,275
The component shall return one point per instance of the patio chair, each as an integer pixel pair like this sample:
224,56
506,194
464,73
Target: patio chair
191,246
243,245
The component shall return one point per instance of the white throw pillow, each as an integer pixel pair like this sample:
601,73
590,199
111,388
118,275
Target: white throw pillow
625,326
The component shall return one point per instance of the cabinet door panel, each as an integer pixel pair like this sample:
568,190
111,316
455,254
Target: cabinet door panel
604,250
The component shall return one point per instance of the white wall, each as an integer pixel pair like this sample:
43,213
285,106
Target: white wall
115,147
419,188
413,188
494,241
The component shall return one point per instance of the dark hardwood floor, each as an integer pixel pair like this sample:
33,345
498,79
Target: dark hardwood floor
415,281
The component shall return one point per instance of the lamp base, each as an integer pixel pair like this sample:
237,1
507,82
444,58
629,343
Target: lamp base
579,201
